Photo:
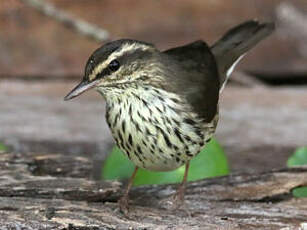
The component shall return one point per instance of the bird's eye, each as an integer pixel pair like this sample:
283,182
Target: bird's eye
114,65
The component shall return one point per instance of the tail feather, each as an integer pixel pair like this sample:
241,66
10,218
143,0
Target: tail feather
229,50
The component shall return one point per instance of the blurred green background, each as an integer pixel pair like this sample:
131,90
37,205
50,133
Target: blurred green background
210,162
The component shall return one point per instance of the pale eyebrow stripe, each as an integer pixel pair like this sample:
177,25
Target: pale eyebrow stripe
124,49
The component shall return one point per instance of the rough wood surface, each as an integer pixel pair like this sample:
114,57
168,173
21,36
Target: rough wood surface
54,192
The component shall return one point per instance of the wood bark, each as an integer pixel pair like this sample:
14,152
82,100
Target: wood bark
56,192
80,26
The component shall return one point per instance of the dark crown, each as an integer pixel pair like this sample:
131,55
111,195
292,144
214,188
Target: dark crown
111,56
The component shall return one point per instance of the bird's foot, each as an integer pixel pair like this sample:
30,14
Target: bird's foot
124,205
174,202
178,199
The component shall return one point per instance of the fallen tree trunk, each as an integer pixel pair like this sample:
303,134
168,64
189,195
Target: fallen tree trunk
55,192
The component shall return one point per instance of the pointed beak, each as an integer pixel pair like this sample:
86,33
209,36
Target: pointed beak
79,89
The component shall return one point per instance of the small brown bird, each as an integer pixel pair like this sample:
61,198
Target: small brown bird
162,107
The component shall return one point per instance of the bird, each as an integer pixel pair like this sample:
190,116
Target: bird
162,107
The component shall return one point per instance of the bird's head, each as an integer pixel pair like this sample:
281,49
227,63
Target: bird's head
118,64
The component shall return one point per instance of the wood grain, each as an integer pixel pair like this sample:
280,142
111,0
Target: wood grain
34,195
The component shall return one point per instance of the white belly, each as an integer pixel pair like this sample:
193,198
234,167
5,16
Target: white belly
156,133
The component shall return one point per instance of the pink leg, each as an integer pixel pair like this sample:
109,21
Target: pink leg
179,196
124,201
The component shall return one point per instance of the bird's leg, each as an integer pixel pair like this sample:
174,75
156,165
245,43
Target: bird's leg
124,201
179,196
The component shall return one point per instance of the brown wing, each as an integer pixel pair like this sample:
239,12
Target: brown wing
197,77
236,42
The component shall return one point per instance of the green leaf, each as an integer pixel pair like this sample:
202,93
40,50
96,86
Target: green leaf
300,192
3,148
210,162
298,158
117,166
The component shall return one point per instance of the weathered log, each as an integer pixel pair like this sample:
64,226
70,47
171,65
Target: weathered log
35,195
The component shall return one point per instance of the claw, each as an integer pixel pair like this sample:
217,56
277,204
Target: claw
124,205
124,201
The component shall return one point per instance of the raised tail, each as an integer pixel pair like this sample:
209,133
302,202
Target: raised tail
229,50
